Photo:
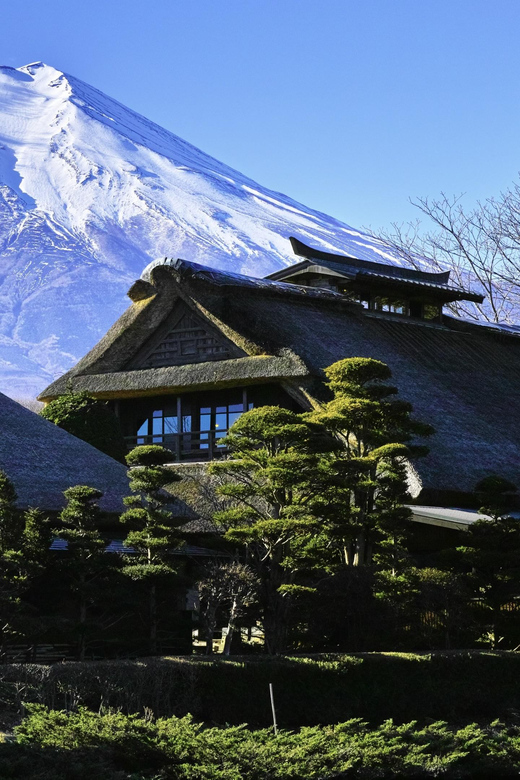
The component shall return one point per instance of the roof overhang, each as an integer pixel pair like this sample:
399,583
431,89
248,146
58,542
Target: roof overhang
308,267
256,369
446,517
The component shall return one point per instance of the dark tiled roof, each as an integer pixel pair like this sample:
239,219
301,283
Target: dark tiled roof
355,269
345,262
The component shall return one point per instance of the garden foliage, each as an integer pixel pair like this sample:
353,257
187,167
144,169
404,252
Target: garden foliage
152,529
84,744
89,419
456,686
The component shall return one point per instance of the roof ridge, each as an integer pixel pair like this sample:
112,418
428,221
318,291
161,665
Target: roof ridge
303,250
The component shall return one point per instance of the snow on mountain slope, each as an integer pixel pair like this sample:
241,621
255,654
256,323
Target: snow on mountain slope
90,192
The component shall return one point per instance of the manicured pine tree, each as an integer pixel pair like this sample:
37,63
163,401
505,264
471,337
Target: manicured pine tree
153,530
320,489
271,480
85,560
366,485
24,544
490,558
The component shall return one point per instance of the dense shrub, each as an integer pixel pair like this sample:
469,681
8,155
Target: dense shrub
84,744
457,687
89,419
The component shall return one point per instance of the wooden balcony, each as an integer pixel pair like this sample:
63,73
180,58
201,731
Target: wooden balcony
193,446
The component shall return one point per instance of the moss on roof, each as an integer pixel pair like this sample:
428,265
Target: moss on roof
173,379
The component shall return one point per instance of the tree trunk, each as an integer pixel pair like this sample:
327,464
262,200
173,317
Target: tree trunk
275,623
82,619
231,627
275,605
153,620
210,621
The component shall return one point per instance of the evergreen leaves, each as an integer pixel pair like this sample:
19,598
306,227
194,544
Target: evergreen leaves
89,419
153,531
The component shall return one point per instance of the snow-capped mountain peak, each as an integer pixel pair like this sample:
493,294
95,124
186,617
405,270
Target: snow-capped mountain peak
90,192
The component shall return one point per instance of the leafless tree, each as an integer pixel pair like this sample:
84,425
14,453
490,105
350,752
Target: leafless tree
480,246
229,585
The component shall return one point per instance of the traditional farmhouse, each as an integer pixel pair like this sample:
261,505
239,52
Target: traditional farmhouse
199,346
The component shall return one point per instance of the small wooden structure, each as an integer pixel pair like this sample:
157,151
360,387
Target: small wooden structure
376,286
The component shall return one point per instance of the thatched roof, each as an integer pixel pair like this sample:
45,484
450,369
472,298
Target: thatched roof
181,379
43,460
460,377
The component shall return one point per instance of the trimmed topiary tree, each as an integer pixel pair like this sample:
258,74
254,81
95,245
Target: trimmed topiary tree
490,558
362,503
85,560
270,481
153,531
89,419
24,541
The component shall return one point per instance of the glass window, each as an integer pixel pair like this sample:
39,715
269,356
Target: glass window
158,424
393,305
200,429
398,307
353,296
221,420
171,425
216,420
142,431
205,422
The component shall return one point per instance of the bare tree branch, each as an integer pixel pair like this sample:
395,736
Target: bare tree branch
480,246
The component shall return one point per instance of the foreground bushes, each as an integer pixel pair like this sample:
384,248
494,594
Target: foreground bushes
113,746
456,687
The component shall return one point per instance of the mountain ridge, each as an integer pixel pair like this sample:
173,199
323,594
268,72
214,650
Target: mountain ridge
91,192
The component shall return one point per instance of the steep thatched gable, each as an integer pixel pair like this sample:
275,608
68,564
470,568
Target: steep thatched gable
185,337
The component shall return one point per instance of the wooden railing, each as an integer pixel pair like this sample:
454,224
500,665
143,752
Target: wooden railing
192,446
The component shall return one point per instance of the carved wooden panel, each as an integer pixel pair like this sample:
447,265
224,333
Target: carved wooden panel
187,342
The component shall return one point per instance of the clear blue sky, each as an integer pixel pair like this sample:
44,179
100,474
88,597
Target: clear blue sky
350,106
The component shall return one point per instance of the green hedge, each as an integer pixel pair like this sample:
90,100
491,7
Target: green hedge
457,687
83,745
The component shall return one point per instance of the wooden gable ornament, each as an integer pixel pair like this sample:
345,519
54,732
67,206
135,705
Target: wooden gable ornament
185,338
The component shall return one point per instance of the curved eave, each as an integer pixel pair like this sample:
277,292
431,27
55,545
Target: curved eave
441,292
379,282
301,249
